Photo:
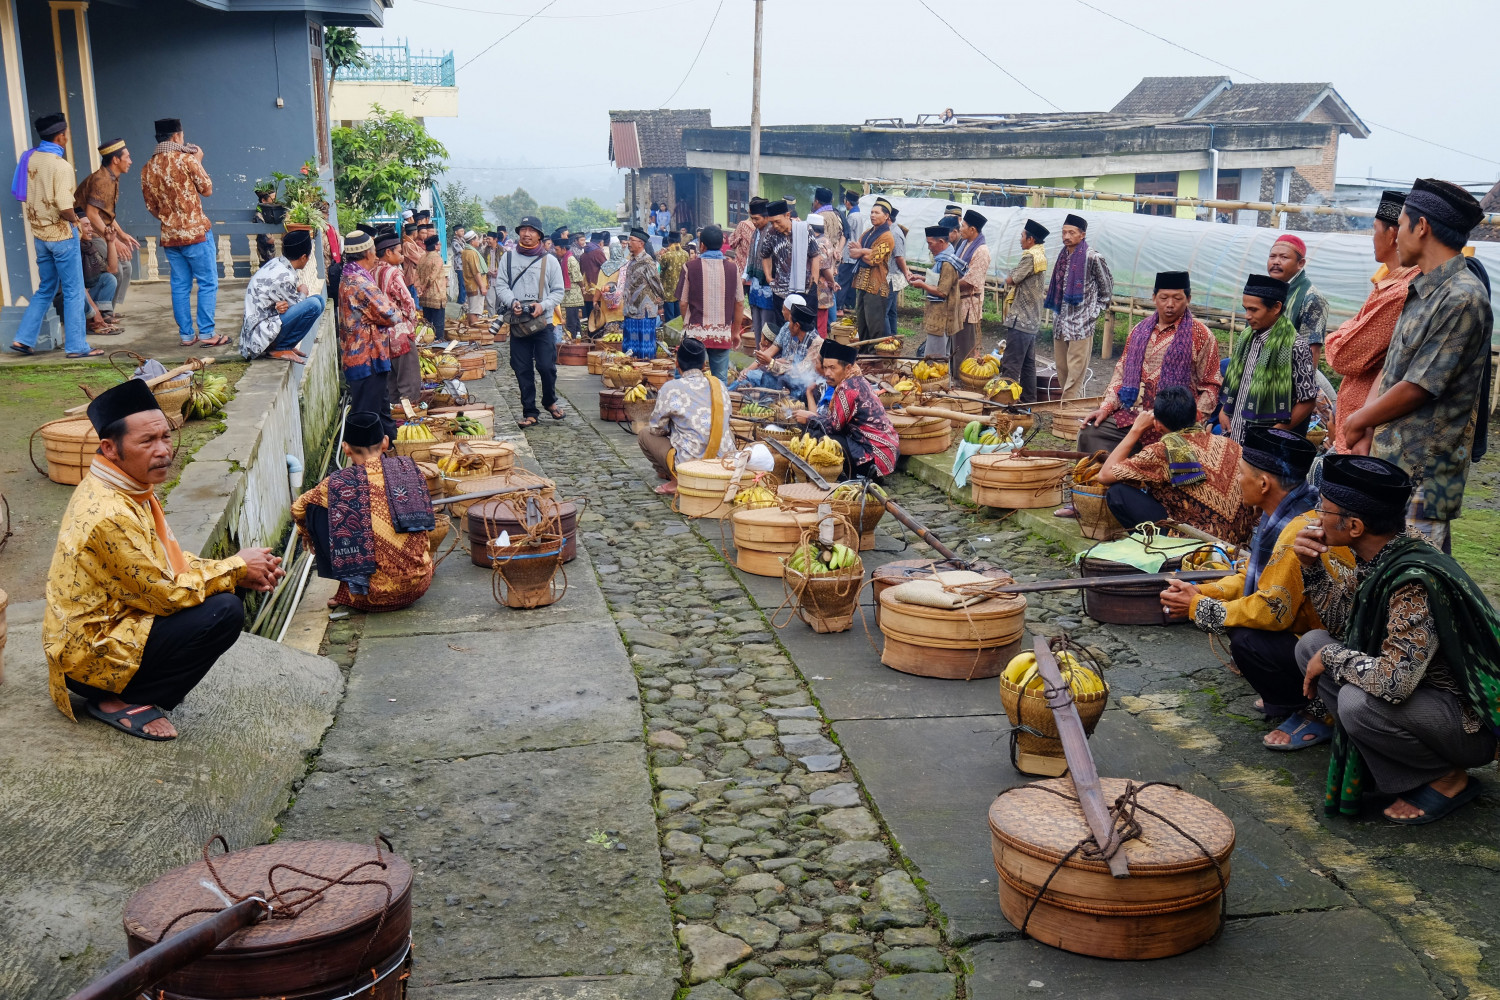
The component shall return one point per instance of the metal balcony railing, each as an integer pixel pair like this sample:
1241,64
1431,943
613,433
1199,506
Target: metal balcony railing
396,63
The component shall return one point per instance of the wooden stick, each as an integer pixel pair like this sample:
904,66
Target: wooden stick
193,364
1201,535
482,494
1081,769
1102,582
174,953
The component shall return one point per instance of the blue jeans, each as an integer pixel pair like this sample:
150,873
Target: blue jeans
195,262
718,362
102,291
890,313
59,265
297,322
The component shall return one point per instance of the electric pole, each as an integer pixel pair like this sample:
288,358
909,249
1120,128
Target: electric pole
754,187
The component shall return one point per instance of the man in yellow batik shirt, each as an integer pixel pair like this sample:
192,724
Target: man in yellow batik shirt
133,623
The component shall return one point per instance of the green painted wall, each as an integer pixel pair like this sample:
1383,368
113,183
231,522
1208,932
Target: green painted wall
1187,187
774,186
1114,183
721,197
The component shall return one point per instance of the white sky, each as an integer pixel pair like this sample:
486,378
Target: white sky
539,98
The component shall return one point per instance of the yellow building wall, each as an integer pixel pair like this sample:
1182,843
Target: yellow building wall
1187,187
721,197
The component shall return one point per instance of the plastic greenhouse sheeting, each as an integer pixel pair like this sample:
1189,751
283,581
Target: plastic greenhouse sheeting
1218,255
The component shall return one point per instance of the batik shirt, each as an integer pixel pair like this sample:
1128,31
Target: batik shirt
641,288
1311,315
684,409
174,185
276,281
796,361
573,293
672,260
856,412
1206,377
101,189
1304,382
1212,503
778,247
1356,350
740,243
870,277
432,281
1028,289
971,285
1277,603
49,192
1077,322
366,315
392,282
1441,343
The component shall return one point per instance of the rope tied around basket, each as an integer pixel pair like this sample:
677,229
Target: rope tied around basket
1124,827
1055,698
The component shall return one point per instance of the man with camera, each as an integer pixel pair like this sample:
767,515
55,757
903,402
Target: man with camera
529,286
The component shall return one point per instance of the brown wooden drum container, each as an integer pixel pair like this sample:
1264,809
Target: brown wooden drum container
612,405
488,518
1016,482
882,578
961,644
574,352
325,952
1172,901
763,536
1126,604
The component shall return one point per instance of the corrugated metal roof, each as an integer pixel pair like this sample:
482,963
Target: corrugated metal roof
624,145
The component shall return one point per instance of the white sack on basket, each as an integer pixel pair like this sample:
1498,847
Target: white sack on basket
929,591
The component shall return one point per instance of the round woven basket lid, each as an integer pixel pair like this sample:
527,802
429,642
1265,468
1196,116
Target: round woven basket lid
1004,460
1047,826
712,468
773,515
803,492
341,910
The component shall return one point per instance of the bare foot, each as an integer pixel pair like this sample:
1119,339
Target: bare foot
156,727
1448,786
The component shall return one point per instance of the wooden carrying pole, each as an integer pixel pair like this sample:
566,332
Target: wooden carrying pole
176,952
1081,770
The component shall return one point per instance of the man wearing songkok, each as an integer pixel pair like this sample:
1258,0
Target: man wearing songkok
670,262
367,524
691,417
794,361
432,284
854,418
1169,347
44,181
1305,305
789,254
710,294
279,313
746,245
530,288
643,296
854,229
405,381
174,184
413,249
975,254
1188,474
942,313
1356,350
824,285
133,622
1078,293
1409,663
475,279
573,285
833,226
96,199
871,257
1270,379
1261,608
1025,288
366,316
898,275
1430,415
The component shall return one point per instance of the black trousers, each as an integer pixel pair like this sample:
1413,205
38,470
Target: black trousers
1019,362
865,470
1102,436
1268,660
537,352
180,650
1131,506
573,319
372,393
436,317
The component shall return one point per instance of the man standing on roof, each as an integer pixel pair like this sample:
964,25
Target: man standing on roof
1024,289
1305,305
1079,293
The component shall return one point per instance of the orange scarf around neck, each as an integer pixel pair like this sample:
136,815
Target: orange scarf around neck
105,470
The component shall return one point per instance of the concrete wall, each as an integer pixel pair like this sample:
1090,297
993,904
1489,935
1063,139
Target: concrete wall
720,210
235,493
353,100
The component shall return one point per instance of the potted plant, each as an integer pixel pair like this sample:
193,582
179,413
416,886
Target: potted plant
302,197
305,215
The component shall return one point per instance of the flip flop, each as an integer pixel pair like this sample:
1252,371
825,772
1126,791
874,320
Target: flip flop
1434,804
526,422
557,411
139,715
189,343
292,356
1295,726
97,352
19,348
218,341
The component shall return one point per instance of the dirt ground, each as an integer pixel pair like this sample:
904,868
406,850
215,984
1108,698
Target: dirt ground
31,395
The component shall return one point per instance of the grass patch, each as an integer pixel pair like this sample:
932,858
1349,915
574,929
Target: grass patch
1476,546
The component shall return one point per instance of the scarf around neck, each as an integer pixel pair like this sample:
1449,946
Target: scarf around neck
801,233
1468,630
1176,367
1269,396
1066,286
868,240
967,247
107,472
1263,543
19,180
947,257
535,251
1182,458
1296,292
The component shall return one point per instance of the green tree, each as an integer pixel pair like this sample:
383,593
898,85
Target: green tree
461,207
588,215
507,209
384,162
341,46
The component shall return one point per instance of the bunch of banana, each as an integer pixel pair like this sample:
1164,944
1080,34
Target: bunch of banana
753,409
636,393
455,462
905,385
468,426
612,338
986,367
207,394
755,496
1086,471
976,433
415,430
429,367
853,491
1001,385
926,370
890,345
1021,672
809,559
816,451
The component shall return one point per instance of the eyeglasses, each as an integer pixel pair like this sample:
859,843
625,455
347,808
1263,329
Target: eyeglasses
1341,515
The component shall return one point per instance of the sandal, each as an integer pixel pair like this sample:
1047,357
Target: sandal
97,352
218,341
1434,804
667,489
19,348
557,411
133,713
526,422
189,343
1304,732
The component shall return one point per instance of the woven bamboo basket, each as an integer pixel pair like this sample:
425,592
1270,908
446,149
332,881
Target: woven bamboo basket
1017,482
825,601
700,488
1094,518
977,382
501,480
594,363
484,520
1317,436
448,367
172,396
526,572
481,413
574,352
960,644
864,513
922,435
1035,746
658,377
440,528
638,412
887,575
971,403
491,360
763,536
830,471
434,477
622,376
69,444
1171,903
612,405
501,454
1068,419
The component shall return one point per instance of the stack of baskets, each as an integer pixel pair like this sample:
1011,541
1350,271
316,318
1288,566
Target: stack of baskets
69,444
509,479
1067,419
863,512
622,375
574,352
471,366
922,435
526,570
612,405
701,486
956,644
1035,745
485,520
1017,481
659,374
763,536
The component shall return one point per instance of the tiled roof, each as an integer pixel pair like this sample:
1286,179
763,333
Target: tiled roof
1264,102
659,134
1169,95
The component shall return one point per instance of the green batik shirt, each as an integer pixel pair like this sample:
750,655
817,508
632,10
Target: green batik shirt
1441,344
